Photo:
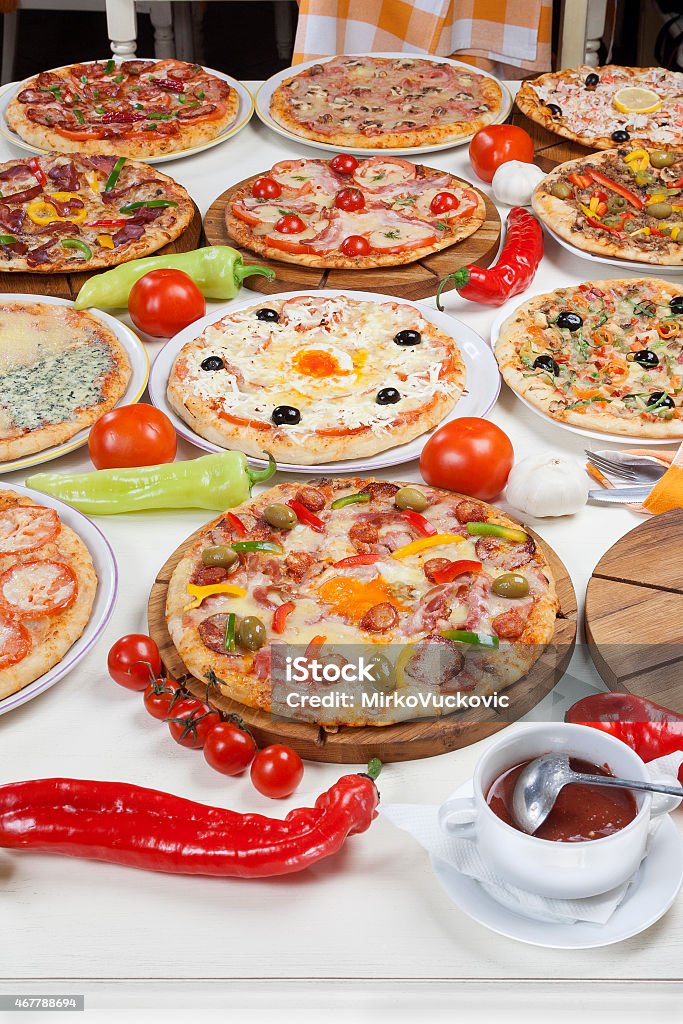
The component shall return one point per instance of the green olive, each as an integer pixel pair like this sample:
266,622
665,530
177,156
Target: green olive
561,190
382,672
643,178
280,517
660,210
615,203
630,226
220,555
251,633
658,158
410,497
612,221
510,584
665,229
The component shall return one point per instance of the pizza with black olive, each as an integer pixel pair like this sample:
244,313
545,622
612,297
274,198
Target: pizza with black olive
606,356
446,593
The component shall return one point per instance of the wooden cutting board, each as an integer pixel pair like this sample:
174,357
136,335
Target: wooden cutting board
417,280
634,612
549,149
407,741
67,286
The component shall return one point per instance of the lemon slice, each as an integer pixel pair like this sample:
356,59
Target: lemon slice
634,100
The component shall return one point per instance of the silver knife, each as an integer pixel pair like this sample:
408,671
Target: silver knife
619,495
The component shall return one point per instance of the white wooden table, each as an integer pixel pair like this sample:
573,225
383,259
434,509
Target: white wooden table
370,928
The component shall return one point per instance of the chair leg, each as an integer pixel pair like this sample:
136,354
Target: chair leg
284,30
122,27
184,33
162,20
9,45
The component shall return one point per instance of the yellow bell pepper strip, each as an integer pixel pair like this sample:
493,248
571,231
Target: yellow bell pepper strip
199,594
115,172
465,636
423,543
218,271
213,482
93,181
42,212
105,241
495,530
76,243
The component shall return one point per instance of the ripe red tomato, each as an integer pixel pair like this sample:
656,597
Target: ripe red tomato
191,721
266,188
133,661
290,224
497,144
443,202
349,199
343,163
277,771
159,696
469,455
355,245
163,302
132,435
229,749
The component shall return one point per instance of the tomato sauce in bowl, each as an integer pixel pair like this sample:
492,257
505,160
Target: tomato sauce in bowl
581,812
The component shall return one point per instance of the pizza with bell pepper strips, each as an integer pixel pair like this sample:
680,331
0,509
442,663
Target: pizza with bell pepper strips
626,203
607,356
353,214
47,589
135,108
70,213
446,591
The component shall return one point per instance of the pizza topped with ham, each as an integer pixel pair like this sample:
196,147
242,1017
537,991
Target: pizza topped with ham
47,589
386,102
350,213
445,594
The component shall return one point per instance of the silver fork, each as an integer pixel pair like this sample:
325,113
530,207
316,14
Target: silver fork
632,469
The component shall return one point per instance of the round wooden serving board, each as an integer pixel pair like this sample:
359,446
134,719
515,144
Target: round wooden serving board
67,286
418,280
634,612
407,741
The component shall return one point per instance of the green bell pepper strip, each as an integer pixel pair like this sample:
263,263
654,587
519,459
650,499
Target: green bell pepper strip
464,636
494,530
229,640
213,482
7,240
350,499
218,271
115,172
257,545
151,204
76,243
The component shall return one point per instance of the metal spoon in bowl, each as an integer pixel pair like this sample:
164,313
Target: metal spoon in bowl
539,784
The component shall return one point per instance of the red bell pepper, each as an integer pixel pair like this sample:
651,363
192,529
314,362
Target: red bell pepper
580,180
455,569
106,223
345,563
236,523
603,227
620,190
419,523
304,515
37,171
280,616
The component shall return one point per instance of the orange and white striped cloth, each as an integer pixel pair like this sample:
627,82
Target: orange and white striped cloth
502,35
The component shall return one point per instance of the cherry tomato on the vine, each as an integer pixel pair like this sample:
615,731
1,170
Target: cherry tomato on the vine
355,245
229,749
133,661
276,771
343,163
159,697
191,721
290,224
349,199
443,202
266,188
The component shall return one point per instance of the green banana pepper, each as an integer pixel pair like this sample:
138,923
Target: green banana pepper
218,271
213,482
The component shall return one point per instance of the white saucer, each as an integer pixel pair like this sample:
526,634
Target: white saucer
654,890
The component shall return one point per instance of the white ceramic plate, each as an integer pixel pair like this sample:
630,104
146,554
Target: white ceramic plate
139,362
644,269
265,94
107,587
501,316
244,112
653,891
483,381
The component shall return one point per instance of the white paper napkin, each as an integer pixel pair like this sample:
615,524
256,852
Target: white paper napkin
421,821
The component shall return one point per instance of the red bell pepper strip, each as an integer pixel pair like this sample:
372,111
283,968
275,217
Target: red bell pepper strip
144,828
615,186
603,227
512,273
304,515
107,223
419,523
314,645
345,563
455,569
236,523
37,171
280,616
580,180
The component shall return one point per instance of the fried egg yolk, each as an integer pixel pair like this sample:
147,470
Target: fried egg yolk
321,362
351,599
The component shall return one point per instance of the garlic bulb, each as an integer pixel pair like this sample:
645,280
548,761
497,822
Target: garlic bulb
514,182
547,485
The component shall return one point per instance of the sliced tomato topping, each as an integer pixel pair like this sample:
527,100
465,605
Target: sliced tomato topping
287,243
80,134
34,589
26,528
15,642
293,175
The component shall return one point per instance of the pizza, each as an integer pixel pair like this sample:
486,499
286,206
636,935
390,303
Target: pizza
453,598
314,379
60,370
60,214
47,589
355,214
606,356
625,203
135,108
605,107
386,102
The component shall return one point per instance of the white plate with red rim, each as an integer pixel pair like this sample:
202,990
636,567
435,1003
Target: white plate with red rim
105,596
629,439
265,94
482,388
245,111
139,364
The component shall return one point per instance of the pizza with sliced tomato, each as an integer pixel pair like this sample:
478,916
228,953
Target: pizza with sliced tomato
606,356
369,102
47,590
439,593
350,213
136,108
314,378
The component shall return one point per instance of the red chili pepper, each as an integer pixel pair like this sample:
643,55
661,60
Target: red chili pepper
344,563
419,523
173,85
304,515
144,828
454,569
615,186
236,523
603,227
37,171
513,272
106,223
280,616
122,117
